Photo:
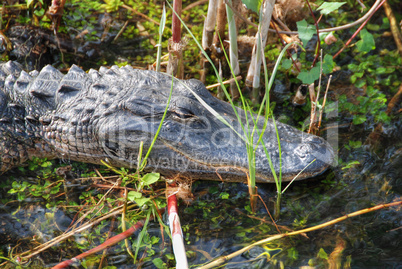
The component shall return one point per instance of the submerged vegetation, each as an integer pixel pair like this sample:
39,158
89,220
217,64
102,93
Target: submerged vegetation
48,198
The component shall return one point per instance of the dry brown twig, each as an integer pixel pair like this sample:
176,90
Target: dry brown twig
224,82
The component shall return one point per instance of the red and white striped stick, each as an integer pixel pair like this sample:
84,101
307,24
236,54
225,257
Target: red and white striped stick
177,234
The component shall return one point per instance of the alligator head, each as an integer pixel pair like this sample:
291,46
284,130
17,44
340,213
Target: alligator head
107,114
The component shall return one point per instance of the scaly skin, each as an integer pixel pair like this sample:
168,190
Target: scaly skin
105,114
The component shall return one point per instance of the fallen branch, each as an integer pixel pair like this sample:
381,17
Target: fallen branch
223,259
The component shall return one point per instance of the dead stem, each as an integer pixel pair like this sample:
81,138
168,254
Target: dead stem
224,82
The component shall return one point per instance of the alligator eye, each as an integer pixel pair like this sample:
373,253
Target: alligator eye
183,113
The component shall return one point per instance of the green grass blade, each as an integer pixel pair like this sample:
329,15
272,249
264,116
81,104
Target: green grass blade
159,45
141,235
159,128
210,109
298,175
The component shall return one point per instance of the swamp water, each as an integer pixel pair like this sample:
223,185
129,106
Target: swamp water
218,221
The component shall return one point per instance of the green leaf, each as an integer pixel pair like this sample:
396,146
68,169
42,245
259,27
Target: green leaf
351,164
40,12
112,5
373,27
328,64
355,144
248,209
385,23
224,195
367,43
150,178
46,164
385,70
383,117
141,201
155,240
29,3
159,263
328,7
293,254
360,83
306,31
359,119
132,195
287,63
253,4
322,254
308,77
353,67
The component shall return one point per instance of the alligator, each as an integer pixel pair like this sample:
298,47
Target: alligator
105,115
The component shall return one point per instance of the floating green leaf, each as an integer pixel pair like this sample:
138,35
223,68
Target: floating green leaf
224,195
159,263
382,117
308,77
367,43
351,164
359,119
355,144
286,63
328,7
306,31
328,64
